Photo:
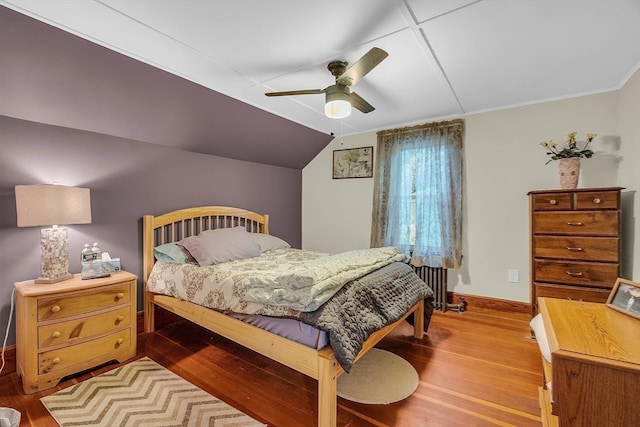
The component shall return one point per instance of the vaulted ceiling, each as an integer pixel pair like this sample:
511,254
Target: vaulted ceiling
447,58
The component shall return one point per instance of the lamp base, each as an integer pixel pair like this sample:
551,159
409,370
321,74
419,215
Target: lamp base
54,261
47,280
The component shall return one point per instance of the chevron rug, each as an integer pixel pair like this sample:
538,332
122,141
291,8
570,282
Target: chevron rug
141,393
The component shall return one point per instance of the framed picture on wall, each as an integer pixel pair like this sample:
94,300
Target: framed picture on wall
625,297
353,163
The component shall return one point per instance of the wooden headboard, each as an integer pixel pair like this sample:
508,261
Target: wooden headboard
177,225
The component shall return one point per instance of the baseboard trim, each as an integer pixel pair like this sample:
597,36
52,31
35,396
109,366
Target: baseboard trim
494,306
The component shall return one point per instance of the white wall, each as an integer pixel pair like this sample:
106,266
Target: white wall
503,161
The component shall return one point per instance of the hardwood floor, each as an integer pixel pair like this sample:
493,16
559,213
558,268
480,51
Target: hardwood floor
475,370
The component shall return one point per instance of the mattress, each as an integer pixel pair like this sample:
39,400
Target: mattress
291,329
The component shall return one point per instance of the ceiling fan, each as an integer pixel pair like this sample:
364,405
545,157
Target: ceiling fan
338,97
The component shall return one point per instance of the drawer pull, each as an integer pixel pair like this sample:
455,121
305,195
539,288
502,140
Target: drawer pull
574,249
596,201
56,360
119,341
572,274
55,309
119,319
574,223
56,334
119,295
553,202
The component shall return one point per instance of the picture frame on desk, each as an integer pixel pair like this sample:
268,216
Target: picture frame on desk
625,297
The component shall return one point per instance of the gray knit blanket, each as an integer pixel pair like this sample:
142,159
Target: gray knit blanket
366,305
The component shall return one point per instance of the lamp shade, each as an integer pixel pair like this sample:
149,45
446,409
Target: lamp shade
41,205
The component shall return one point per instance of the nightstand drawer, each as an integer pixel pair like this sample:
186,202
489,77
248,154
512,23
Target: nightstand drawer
83,302
83,328
597,223
595,274
64,358
577,248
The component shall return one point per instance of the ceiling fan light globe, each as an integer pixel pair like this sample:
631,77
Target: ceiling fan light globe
337,109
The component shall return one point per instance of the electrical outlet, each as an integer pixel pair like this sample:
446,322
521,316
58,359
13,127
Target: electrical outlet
513,276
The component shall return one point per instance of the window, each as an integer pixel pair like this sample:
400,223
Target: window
418,192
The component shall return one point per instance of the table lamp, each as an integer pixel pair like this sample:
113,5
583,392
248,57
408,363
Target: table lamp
53,205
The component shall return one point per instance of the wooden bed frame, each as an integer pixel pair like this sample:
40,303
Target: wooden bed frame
318,364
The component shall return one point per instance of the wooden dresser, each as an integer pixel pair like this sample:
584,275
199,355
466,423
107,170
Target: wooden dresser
574,243
594,375
70,326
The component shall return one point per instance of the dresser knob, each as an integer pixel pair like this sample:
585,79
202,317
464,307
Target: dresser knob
119,295
553,202
119,319
119,341
56,334
56,360
55,309
596,201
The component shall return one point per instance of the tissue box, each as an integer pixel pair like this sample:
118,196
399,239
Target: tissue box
111,266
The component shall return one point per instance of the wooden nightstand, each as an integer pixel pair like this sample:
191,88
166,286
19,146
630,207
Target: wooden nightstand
67,327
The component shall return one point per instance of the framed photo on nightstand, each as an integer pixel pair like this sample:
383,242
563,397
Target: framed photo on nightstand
625,297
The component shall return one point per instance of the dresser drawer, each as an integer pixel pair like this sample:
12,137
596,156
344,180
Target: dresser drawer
551,202
83,328
575,293
64,358
598,200
577,248
598,223
83,302
596,274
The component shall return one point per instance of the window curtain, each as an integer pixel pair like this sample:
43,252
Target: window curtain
417,202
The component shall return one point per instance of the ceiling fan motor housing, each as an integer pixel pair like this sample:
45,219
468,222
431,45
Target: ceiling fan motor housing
337,67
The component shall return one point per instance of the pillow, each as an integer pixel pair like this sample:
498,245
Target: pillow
171,252
221,245
268,242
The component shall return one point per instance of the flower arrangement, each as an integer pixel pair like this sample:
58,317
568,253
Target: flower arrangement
571,150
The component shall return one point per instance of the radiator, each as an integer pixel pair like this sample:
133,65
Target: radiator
436,279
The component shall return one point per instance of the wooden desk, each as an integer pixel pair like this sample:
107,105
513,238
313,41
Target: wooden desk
595,364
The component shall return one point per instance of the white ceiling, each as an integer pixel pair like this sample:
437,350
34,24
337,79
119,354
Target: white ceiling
447,58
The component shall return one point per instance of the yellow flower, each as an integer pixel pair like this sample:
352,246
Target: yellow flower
571,148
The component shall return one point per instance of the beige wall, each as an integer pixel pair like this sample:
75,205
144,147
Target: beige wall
503,161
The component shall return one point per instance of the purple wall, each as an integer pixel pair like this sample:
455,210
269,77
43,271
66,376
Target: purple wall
50,76
127,180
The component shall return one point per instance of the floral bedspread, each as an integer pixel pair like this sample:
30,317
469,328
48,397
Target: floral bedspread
281,282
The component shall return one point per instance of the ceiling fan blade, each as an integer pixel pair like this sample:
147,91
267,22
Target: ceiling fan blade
296,92
365,64
359,103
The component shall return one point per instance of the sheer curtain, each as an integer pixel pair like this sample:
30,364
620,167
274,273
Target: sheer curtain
417,201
